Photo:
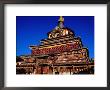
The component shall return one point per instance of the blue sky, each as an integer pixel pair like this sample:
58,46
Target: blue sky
31,29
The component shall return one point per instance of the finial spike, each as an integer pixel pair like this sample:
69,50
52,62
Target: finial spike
61,19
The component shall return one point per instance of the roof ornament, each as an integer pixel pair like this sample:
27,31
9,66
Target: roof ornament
61,19
61,22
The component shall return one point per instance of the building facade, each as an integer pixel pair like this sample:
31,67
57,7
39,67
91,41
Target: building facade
61,53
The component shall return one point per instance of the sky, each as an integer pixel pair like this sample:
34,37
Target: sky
31,29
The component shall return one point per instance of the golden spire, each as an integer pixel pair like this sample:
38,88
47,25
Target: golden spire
61,19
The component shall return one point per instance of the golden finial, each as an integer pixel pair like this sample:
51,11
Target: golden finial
61,19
